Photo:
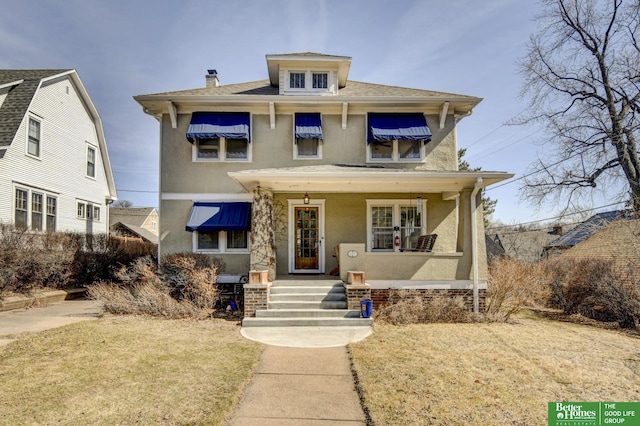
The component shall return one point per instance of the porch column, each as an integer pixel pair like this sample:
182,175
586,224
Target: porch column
263,244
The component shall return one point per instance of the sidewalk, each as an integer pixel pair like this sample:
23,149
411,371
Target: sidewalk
46,317
300,386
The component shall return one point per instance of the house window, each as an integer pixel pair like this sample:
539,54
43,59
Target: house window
33,144
81,210
21,208
221,149
36,211
307,148
297,80
320,80
96,213
30,210
52,203
388,219
221,241
396,150
91,162
153,226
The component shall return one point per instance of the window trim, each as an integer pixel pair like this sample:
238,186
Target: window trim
91,148
222,153
222,244
89,210
308,81
396,204
40,131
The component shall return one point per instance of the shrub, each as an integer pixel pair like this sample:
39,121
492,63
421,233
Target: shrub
191,277
413,307
515,283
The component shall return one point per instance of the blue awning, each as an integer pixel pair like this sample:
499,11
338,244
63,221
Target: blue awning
408,127
234,125
308,125
208,217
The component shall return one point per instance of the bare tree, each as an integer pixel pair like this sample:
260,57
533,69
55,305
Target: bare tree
582,77
122,204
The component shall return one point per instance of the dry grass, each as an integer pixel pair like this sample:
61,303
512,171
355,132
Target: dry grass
125,370
491,373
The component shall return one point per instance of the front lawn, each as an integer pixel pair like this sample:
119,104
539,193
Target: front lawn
126,370
495,373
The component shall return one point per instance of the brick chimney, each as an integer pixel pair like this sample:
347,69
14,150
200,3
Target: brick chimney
212,78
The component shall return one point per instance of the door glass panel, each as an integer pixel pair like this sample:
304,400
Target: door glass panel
306,234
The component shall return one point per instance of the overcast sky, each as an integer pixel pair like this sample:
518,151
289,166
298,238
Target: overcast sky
123,48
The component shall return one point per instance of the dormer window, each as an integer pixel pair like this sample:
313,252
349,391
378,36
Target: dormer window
310,82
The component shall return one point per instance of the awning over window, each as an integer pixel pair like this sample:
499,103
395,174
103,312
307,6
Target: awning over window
308,125
233,125
209,217
408,127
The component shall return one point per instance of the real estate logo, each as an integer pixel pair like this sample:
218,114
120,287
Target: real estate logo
593,413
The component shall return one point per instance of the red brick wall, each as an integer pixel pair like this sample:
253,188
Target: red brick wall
381,297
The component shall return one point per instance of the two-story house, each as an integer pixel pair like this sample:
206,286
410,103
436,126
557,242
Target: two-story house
136,222
55,173
308,172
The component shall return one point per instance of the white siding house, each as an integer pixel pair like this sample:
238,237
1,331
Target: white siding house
55,173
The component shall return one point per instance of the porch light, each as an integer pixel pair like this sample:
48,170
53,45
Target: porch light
419,205
306,198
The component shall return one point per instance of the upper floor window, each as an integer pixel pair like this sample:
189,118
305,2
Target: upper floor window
308,135
221,149
309,82
399,137
91,161
34,140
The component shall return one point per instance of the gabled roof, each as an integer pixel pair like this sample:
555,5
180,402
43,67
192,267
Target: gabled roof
22,86
145,234
131,216
587,228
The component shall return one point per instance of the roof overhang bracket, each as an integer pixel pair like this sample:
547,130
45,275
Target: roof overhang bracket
444,109
345,108
272,115
173,114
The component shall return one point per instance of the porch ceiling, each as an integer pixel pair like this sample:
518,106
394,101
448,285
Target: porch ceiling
336,178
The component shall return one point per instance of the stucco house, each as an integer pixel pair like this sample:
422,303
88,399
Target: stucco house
137,222
55,173
308,172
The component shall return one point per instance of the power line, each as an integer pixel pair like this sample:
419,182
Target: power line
135,190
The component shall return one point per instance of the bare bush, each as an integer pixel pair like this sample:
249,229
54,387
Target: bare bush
514,284
413,307
191,278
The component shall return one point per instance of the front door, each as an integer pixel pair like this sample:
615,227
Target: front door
306,238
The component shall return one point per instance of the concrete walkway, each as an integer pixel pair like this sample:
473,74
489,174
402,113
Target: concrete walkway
301,386
42,318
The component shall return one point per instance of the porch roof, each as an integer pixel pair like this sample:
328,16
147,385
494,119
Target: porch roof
354,178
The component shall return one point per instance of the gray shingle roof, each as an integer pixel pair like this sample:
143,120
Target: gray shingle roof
353,89
19,98
588,227
130,216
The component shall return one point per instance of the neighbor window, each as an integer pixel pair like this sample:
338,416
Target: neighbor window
21,203
221,241
388,219
33,144
396,150
96,213
221,149
36,211
91,162
81,210
30,210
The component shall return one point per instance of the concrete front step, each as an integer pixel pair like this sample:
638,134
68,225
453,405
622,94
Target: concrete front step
308,297
308,313
307,305
306,283
305,322
307,289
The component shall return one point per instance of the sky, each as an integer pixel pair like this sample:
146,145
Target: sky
123,48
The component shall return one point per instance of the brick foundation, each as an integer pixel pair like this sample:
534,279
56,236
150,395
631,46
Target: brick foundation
382,297
355,293
256,292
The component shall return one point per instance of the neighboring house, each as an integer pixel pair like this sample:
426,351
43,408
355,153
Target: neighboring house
138,222
494,248
55,173
582,231
525,244
618,241
274,174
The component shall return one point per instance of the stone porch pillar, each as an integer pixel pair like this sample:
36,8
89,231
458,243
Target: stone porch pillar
263,243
